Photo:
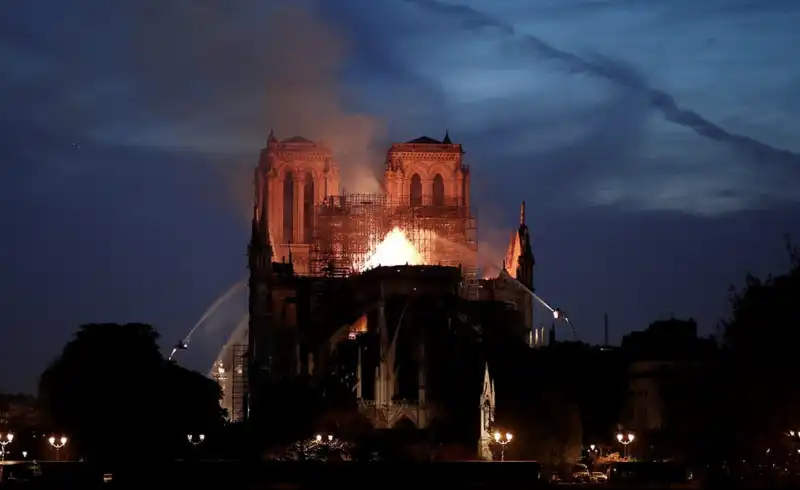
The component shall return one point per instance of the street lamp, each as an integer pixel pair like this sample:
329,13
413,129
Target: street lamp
319,438
57,444
4,441
503,440
596,449
625,439
194,441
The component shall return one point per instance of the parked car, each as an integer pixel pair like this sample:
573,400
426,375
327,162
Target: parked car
580,474
599,477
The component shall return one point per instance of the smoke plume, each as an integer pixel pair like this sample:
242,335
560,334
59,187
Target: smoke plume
659,100
304,96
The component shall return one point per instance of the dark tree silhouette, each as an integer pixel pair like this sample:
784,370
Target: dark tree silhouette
762,334
114,395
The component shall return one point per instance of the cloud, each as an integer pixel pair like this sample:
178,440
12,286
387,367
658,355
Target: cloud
771,165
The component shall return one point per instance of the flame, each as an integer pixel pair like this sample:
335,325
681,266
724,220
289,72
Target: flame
395,249
358,327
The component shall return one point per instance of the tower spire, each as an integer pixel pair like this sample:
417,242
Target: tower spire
271,138
446,139
522,213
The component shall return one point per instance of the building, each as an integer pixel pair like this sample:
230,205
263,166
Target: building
334,273
518,264
670,376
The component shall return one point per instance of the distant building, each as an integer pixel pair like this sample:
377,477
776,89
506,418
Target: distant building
669,371
18,412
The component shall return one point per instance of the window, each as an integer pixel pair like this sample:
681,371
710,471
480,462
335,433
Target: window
416,190
438,190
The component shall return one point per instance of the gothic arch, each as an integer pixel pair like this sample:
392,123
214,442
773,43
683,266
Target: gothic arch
438,191
446,171
415,190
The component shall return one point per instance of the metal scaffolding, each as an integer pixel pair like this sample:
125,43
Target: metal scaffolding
348,229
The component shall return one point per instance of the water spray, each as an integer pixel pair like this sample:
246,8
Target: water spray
558,314
184,344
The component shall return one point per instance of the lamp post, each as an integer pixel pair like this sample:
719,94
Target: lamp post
503,440
5,440
324,446
57,444
320,439
625,439
596,449
195,441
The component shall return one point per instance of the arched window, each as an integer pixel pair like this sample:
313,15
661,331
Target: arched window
288,207
438,190
308,209
416,190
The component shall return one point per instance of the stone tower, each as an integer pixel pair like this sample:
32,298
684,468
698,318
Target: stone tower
427,172
296,174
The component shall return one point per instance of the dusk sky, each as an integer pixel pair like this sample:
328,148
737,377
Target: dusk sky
655,142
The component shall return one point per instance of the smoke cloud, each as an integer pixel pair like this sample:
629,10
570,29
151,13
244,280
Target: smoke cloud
304,96
659,100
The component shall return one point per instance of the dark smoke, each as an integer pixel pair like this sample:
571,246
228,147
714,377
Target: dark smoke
304,96
283,59
658,99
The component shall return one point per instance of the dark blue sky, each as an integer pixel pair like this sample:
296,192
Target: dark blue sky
652,140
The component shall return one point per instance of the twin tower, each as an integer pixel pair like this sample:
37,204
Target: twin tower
294,175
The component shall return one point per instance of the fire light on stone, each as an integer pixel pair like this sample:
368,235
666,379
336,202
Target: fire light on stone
395,249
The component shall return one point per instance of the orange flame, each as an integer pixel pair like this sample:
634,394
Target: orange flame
395,249
358,327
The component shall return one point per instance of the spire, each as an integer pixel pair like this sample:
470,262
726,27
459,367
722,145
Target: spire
446,139
522,213
271,138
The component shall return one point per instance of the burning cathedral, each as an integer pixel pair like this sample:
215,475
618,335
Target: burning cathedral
375,289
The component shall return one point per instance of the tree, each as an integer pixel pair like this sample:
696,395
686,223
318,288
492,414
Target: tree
762,334
114,395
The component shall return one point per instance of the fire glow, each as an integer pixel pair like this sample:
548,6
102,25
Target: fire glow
395,249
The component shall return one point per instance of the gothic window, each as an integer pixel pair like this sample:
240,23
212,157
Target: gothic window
288,207
487,415
308,209
416,190
438,190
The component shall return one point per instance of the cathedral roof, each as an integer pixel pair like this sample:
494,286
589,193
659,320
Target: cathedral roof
297,139
424,140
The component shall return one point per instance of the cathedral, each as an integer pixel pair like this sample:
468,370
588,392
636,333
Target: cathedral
373,282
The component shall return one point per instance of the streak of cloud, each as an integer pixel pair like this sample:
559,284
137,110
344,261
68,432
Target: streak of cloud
658,99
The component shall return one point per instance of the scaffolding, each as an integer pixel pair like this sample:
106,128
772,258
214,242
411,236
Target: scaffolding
239,389
348,229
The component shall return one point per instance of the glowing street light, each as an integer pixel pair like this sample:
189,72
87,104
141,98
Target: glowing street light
503,440
596,449
625,439
319,438
5,440
57,444
194,441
